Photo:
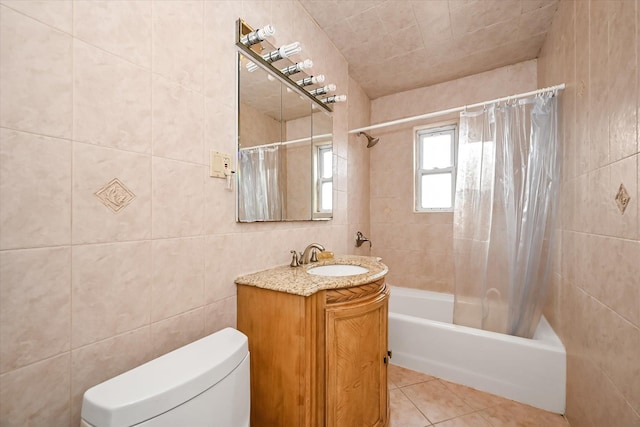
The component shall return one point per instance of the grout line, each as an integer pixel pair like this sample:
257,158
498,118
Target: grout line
603,236
2,4
35,362
413,403
41,135
480,412
112,54
72,148
599,301
151,162
203,175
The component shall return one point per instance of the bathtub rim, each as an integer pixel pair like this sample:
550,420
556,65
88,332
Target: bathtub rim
544,336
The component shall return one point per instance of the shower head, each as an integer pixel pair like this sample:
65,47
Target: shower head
372,141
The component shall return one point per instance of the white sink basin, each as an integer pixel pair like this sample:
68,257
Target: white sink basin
335,270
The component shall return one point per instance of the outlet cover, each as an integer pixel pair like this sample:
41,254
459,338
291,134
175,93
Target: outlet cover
218,163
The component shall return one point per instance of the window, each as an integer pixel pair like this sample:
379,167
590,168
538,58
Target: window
435,166
324,178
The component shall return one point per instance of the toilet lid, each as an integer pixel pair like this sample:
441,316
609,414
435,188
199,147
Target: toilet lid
166,382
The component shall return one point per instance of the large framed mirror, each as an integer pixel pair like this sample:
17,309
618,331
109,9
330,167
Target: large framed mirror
285,144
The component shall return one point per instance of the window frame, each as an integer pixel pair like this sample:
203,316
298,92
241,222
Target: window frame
419,136
318,162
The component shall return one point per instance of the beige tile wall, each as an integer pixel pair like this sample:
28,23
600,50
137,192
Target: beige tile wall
593,47
257,128
356,179
297,175
418,247
139,91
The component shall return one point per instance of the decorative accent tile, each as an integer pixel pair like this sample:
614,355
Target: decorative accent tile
115,195
622,199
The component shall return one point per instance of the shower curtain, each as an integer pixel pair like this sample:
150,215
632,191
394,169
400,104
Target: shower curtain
260,195
505,208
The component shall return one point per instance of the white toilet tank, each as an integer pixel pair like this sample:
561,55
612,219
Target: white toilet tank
203,384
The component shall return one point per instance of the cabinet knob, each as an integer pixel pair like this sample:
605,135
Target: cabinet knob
390,354
384,359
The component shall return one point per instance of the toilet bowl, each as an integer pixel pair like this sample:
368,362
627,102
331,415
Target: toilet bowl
203,384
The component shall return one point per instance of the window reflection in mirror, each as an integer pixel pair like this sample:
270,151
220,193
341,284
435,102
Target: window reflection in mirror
296,137
323,165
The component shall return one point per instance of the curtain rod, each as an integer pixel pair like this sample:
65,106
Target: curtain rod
457,109
293,141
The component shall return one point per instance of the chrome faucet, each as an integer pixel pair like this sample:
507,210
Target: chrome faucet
310,253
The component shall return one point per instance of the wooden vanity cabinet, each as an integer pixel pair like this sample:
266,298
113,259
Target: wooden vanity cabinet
320,360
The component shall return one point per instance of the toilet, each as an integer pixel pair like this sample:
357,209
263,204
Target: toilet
203,384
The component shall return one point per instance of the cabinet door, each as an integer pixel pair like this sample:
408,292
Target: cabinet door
356,365
282,347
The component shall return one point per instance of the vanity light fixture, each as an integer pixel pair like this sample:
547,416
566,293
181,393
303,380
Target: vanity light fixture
283,52
296,68
323,90
256,59
278,54
312,80
334,98
258,35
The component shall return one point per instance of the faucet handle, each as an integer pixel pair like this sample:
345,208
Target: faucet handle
295,262
314,255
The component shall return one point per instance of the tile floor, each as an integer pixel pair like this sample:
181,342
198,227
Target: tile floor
420,400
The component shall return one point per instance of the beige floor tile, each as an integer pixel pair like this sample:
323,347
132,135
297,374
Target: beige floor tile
417,400
514,414
391,385
402,377
469,420
435,401
403,412
475,398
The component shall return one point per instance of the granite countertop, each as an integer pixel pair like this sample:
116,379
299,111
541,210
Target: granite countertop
296,280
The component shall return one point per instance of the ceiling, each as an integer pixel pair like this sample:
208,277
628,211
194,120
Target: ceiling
398,45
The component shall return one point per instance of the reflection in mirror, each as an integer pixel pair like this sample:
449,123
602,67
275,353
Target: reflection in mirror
259,160
284,171
296,146
322,165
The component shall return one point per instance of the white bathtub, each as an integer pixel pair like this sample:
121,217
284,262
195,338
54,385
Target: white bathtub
423,338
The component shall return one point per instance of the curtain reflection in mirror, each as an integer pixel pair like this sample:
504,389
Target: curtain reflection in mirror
260,184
